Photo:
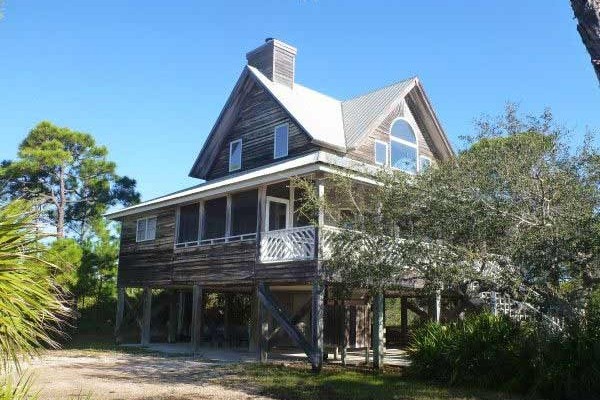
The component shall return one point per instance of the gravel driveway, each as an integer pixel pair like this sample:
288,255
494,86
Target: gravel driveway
72,374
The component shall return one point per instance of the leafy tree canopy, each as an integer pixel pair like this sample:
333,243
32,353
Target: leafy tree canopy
70,174
518,209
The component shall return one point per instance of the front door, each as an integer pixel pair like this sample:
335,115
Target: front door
277,213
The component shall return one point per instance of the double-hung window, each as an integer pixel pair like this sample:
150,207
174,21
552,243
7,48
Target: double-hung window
280,139
235,155
403,142
145,229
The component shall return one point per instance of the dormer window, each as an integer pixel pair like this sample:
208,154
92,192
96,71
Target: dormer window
235,155
280,138
404,149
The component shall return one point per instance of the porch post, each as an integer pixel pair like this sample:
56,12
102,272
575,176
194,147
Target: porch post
197,315
404,318
228,217
172,323
318,294
320,183
146,316
120,312
291,208
378,331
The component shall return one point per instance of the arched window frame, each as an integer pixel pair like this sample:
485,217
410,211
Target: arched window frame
414,145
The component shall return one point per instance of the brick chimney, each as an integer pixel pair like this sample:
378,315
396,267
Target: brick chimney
276,60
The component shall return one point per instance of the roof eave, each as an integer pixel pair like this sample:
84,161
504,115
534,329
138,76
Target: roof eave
198,169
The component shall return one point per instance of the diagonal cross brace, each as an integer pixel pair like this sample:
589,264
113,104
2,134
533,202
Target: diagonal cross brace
295,319
269,302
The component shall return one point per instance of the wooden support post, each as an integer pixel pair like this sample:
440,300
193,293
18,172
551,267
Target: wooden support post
227,319
197,315
404,319
318,294
172,323
120,313
346,327
263,329
146,316
378,331
180,312
253,334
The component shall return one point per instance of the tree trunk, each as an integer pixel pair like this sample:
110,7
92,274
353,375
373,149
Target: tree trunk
587,13
60,212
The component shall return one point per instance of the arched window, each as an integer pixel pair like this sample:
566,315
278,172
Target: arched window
403,146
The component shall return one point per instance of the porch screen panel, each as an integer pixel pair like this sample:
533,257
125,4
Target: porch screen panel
244,212
214,218
188,224
300,199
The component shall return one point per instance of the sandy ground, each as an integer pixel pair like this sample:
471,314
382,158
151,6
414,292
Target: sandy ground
76,374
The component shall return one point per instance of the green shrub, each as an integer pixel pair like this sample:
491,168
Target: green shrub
494,352
482,350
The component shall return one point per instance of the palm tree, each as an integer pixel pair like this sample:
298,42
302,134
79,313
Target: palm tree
32,307
587,13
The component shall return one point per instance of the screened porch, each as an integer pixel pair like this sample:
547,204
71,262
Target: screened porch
267,214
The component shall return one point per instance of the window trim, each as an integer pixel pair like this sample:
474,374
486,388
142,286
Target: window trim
414,145
427,158
287,136
230,150
273,199
387,152
146,239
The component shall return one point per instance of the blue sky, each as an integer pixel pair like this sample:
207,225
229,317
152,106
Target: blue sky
148,78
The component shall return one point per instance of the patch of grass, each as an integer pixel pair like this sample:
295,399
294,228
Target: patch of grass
299,382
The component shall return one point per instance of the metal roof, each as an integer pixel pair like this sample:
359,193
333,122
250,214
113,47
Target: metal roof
360,112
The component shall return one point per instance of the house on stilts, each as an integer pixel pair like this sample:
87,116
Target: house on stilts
231,262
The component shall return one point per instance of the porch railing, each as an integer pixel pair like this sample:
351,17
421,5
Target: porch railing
207,242
294,244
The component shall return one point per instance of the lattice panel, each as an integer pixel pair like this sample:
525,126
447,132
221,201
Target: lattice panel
288,244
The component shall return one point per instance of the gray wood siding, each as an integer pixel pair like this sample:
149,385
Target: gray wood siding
224,264
157,263
365,151
149,262
259,115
